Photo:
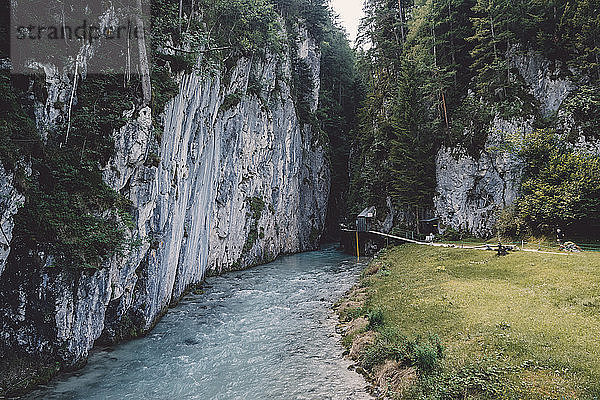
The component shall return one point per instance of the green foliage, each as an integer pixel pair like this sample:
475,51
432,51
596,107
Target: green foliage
584,107
437,72
231,100
218,30
256,207
425,355
250,241
164,87
340,95
69,212
222,31
561,186
570,32
375,318
302,90
428,355
314,14
18,136
484,380
472,125
452,235
249,27
255,85
509,225
413,145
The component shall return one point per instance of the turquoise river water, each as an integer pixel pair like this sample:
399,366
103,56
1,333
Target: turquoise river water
264,333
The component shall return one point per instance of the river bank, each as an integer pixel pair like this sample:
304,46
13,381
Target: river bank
438,323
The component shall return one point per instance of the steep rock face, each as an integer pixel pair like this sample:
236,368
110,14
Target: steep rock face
228,186
10,200
545,83
471,192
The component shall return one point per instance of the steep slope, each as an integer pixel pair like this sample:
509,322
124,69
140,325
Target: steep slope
228,185
472,192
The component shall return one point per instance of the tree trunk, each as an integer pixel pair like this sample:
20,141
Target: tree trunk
493,37
434,44
144,65
180,15
401,21
445,111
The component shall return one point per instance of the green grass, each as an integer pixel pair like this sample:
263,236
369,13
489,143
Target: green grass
534,319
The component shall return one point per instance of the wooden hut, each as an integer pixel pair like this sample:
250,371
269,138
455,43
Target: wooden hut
364,221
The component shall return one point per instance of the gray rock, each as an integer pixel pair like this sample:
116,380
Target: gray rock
193,211
471,192
10,201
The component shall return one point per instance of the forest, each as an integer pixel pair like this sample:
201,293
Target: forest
437,72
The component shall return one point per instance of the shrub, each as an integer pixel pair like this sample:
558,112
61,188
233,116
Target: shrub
389,346
392,345
231,101
452,235
509,225
584,107
427,356
376,319
561,186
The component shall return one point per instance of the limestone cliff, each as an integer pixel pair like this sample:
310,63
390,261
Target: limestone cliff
471,192
227,186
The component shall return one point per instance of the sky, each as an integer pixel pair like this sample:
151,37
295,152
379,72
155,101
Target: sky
350,12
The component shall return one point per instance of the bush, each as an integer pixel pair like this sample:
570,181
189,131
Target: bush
452,235
231,101
509,225
391,345
561,186
427,356
584,107
376,319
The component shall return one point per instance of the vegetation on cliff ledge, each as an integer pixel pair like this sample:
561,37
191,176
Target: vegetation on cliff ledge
70,213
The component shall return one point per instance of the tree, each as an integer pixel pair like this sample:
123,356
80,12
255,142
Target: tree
561,186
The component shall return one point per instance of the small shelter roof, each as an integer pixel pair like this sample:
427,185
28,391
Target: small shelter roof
368,212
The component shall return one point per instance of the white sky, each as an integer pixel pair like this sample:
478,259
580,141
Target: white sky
350,12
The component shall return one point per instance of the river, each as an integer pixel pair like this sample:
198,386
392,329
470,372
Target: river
263,333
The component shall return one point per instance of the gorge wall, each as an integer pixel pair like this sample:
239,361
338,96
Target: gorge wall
229,185
471,192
